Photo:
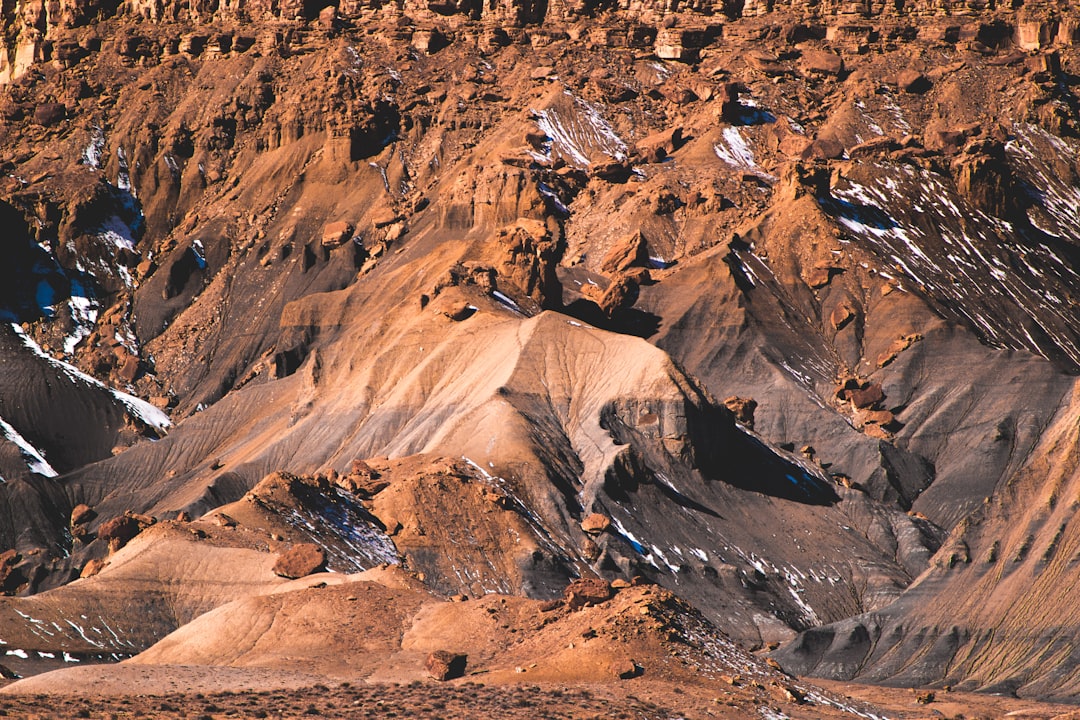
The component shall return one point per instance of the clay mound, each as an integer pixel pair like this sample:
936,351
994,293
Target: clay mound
367,631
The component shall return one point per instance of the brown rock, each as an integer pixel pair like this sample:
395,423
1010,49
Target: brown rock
821,62
624,669
459,311
10,578
587,591
595,523
82,514
336,233
120,530
743,409
621,294
444,665
93,567
656,147
619,584
841,316
300,561
8,674
912,81
633,250
820,275
866,397
48,114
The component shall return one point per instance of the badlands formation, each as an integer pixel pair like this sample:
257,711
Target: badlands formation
576,359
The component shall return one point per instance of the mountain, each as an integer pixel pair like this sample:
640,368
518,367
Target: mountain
761,312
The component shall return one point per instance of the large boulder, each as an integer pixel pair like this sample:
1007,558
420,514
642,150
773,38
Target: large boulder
300,561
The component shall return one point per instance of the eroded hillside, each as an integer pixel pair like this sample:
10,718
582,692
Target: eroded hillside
771,305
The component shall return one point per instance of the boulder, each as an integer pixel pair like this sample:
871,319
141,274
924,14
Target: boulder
92,568
624,669
821,62
841,315
120,530
621,294
654,148
633,250
300,561
743,409
912,81
48,114
336,233
587,591
82,514
866,397
595,523
444,665
10,578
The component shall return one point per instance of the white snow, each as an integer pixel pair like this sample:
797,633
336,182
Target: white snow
735,151
142,410
91,154
18,653
579,133
35,460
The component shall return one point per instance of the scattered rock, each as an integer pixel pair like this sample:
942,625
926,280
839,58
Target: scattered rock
587,591
300,561
821,62
625,668
595,523
82,514
911,81
120,530
866,397
444,665
10,578
336,234
743,409
93,567
631,251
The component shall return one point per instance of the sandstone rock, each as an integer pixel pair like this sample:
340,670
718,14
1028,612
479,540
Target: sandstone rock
595,523
866,397
460,311
300,561
336,233
10,578
841,315
633,250
48,114
621,294
912,81
92,567
742,408
624,669
444,665
120,530
821,62
614,171
82,514
656,147
820,275
587,591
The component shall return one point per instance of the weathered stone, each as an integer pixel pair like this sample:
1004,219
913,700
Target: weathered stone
336,233
631,251
912,81
82,514
821,62
624,669
587,591
742,408
300,560
595,523
444,665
